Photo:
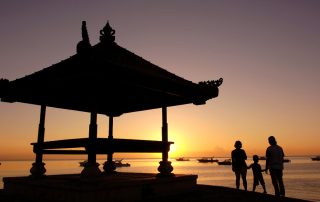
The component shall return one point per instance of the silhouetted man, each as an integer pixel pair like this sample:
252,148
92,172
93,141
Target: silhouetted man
274,163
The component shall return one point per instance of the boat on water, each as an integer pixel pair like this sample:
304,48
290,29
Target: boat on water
82,163
119,163
207,160
284,160
225,162
182,159
317,158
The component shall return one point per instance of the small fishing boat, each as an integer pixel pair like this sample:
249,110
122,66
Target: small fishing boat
225,162
317,158
286,160
119,163
207,160
83,163
182,159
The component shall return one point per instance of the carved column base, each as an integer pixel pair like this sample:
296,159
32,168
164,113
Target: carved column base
109,167
165,169
91,170
38,170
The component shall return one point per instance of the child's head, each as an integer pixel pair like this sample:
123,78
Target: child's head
255,158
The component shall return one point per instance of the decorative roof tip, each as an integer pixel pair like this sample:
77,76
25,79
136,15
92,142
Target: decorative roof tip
107,34
84,32
84,45
212,83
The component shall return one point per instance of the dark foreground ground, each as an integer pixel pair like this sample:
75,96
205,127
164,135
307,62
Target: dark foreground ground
201,193
225,194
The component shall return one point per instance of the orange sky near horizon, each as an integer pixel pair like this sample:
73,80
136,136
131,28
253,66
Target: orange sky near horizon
267,53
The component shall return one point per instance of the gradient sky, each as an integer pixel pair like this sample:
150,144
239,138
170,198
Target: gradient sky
266,51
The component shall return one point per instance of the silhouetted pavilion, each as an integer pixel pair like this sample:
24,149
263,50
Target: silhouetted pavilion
104,79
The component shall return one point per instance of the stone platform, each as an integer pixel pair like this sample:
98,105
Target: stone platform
116,187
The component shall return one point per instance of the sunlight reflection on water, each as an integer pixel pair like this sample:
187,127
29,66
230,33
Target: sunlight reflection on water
301,176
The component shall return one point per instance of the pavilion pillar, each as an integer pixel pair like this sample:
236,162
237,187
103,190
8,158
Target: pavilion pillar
110,166
38,169
91,168
165,168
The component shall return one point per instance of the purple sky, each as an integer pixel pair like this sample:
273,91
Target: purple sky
266,51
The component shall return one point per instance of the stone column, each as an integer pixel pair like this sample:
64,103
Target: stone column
38,169
91,168
110,166
165,168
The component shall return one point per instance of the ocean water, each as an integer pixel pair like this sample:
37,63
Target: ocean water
301,175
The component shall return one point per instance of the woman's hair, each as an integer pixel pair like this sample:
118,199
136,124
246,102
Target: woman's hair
238,144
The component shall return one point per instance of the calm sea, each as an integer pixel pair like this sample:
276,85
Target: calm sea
301,175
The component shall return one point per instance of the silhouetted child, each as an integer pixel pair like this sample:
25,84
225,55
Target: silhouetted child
257,174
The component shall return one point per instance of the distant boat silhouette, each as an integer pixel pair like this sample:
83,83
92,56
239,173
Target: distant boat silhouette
83,163
263,158
317,158
119,163
182,159
225,162
207,160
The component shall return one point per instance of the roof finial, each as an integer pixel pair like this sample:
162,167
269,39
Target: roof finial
107,33
84,45
85,36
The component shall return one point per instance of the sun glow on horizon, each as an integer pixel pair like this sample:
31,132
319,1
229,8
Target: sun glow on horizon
271,84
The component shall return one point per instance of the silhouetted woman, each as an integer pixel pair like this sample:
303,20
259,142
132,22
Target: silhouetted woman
239,166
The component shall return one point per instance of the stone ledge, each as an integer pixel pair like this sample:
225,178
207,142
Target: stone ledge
116,187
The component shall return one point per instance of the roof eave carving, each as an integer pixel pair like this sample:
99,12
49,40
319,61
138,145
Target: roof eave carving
4,87
212,83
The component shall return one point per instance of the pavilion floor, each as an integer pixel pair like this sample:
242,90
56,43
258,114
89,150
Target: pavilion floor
140,187
116,187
